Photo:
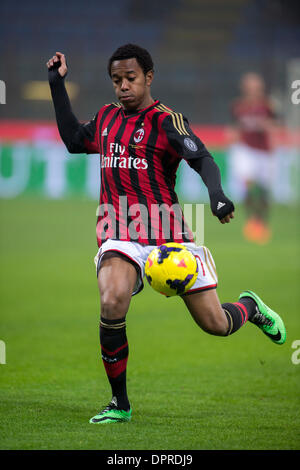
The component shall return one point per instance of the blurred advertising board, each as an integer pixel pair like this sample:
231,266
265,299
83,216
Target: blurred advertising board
34,161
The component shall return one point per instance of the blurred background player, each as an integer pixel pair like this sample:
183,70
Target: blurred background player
251,154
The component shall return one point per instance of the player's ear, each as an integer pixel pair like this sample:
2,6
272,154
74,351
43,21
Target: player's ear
149,77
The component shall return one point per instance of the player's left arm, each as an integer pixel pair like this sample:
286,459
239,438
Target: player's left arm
190,147
221,206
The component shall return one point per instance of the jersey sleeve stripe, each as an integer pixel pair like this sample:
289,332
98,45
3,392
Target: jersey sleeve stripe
163,109
177,119
176,124
183,126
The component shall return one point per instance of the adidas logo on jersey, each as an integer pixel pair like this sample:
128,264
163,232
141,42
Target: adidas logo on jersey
104,133
220,205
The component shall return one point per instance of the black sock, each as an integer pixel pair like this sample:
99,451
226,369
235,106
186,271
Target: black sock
114,348
250,306
262,207
238,313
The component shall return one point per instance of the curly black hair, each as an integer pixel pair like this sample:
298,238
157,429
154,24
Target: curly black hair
130,51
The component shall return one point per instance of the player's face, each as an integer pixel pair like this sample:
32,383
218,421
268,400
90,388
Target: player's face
131,86
252,85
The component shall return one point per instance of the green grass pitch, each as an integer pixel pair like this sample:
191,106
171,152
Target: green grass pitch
188,390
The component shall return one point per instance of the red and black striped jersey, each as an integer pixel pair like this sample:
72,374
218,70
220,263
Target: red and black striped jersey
139,156
250,119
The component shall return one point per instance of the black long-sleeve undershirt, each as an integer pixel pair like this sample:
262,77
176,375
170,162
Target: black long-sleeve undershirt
209,171
211,176
68,125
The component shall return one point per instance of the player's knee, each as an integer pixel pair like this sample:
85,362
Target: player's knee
114,304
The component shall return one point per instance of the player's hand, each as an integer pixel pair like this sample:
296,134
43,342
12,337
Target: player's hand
57,63
226,219
221,207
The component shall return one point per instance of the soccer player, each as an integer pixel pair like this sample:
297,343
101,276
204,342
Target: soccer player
251,156
141,142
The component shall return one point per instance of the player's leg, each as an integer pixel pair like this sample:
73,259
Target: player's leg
257,200
216,318
116,280
243,164
202,299
262,230
252,227
264,178
250,199
263,203
225,319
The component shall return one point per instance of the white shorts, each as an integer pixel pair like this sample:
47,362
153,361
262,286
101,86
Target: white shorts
138,254
250,164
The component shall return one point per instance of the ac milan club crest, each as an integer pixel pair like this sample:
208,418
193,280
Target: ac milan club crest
139,135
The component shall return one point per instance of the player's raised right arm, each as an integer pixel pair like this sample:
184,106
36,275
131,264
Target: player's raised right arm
69,127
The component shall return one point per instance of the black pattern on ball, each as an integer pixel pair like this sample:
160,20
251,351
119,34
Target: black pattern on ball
164,252
179,285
